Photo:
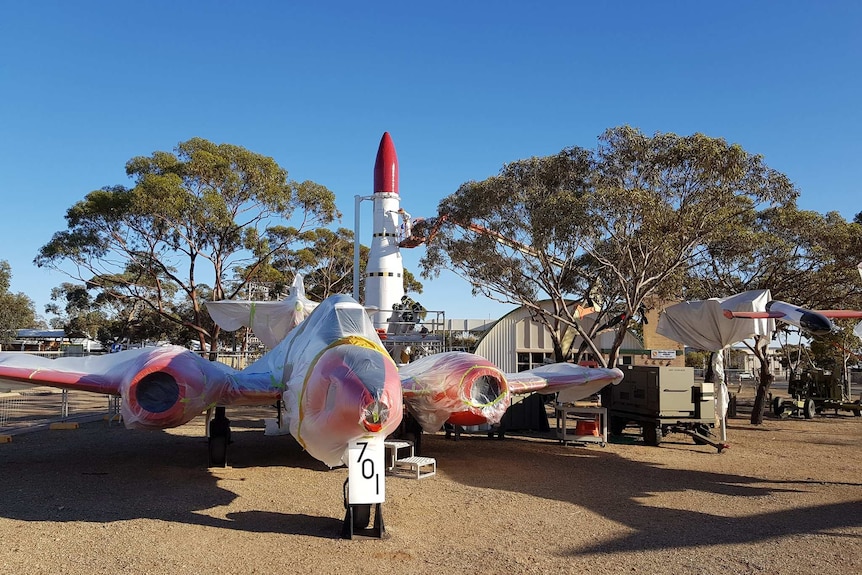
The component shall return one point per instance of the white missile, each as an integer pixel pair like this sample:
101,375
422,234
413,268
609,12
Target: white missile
384,273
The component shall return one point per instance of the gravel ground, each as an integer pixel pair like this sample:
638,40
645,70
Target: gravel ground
786,497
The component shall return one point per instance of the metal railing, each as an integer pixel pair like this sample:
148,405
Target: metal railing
24,407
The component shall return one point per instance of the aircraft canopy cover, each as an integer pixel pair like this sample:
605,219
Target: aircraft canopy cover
269,320
702,324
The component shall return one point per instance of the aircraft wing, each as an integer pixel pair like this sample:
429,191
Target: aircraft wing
160,386
776,314
563,376
730,314
840,313
67,372
815,322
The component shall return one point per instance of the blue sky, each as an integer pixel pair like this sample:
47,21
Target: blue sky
463,87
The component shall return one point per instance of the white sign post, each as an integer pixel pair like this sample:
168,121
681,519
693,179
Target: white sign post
366,480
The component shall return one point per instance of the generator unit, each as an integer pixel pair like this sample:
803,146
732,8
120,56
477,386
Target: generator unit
661,400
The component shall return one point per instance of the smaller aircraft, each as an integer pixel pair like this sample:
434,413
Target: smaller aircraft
815,322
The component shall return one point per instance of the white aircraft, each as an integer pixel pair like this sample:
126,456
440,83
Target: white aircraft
337,383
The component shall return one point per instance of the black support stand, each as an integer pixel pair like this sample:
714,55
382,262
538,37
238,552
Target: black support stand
358,514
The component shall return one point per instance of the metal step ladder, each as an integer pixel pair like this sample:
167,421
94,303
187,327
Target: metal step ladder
412,465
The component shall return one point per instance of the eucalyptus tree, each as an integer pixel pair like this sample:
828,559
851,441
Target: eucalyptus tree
324,257
192,217
76,310
16,309
514,237
621,224
803,257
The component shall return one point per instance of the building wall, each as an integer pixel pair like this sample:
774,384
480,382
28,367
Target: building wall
659,347
516,342
500,342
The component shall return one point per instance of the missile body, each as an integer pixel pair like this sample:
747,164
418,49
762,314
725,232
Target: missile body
384,273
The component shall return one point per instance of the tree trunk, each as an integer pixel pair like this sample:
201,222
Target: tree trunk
558,350
760,400
709,374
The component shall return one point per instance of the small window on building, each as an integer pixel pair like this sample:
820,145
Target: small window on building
529,360
523,361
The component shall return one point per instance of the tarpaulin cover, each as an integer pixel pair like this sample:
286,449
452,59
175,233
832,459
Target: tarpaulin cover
269,320
702,324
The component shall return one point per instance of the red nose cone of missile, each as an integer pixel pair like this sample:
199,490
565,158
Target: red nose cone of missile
386,167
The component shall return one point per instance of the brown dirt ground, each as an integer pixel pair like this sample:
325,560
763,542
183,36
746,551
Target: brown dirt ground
786,497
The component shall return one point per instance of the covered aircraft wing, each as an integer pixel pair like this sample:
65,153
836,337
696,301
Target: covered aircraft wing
466,389
564,376
83,373
703,324
161,386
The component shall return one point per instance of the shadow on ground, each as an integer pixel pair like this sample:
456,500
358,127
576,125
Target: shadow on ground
105,474
621,490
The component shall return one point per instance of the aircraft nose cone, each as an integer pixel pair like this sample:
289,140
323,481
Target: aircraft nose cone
375,416
386,166
815,323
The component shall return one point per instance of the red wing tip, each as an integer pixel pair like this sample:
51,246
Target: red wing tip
840,313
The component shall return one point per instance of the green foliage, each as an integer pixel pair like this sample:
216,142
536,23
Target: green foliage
16,309
623,222
801,256
697,359
191,217
833,351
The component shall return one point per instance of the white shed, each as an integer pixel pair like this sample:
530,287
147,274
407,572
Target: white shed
515,342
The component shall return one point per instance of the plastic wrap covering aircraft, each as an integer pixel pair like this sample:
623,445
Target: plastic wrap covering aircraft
336,381
466,389
270,321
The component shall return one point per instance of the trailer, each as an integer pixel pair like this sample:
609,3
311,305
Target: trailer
663,400
814,391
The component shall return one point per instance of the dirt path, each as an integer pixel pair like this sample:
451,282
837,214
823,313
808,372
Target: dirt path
785,498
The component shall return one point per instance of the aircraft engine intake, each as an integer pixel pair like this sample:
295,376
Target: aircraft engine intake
458,388
168,389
